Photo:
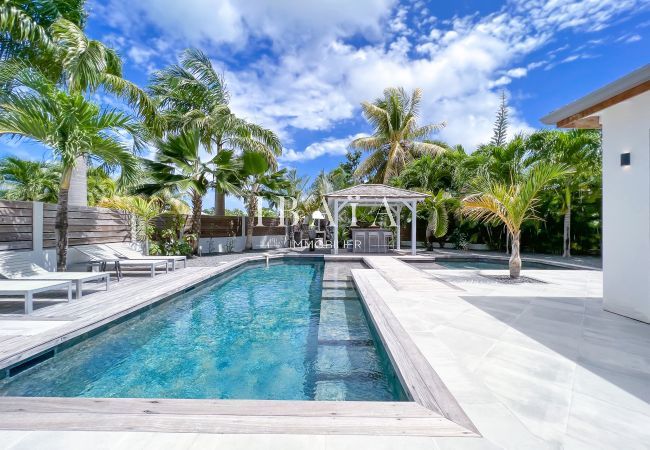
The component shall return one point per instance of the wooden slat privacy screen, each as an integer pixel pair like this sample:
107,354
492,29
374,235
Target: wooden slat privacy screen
16,225
87,226
271,227
226,226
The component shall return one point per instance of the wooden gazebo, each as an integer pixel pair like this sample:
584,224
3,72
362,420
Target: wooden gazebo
375,195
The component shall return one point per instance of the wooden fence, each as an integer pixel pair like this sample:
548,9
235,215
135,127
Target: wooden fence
87,225
24,223
16,225
225,226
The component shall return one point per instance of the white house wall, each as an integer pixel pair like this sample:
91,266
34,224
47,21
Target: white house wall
626,208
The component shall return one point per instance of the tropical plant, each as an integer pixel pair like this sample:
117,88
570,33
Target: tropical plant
397,138
144,209
179,168
257,181
436,208
511,203
434,173
192,95
48,35
101,185
72,127
579,150
29,180
25,25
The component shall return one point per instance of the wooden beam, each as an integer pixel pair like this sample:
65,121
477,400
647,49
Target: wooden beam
618,98
587,123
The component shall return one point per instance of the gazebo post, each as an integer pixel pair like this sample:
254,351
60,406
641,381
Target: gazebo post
335,245
399,227
413,221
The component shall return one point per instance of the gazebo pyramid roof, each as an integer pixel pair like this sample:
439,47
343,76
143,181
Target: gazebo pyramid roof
376,191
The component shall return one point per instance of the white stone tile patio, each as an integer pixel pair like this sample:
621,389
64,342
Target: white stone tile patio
534,365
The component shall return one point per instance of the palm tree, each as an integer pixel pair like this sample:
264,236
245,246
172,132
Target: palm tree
257,180
511,203
24,28
178,168
29,180
100,185
73,128
48,35
436,209
146,210
397,138
581,151
193,95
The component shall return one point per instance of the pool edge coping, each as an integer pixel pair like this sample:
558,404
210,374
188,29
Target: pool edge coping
269,416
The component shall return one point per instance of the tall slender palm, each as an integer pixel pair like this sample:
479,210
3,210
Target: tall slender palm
257,180
581,151
179,168
397,138
511,203
72,127
194,96
29,180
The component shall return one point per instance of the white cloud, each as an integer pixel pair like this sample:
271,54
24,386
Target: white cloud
327,147
313,78
517,72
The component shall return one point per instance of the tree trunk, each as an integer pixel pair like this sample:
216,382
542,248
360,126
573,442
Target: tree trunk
566,246
78,194
252,208
61,224
219,197
197,209
515,259
219,203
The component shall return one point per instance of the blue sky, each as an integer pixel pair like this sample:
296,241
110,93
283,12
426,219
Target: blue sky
302,67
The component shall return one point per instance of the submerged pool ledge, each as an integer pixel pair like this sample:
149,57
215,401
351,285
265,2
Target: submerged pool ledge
433,412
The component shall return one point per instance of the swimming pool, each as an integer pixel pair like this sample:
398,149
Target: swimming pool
481,264
256,333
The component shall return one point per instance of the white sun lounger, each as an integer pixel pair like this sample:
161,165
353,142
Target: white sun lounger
27,289
18,266
104,256
126,251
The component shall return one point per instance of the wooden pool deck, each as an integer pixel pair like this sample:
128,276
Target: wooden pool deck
431,411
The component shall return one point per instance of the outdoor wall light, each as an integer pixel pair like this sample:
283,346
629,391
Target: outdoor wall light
625,159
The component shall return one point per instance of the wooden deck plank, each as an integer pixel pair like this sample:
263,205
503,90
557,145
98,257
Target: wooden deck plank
287,424
207,416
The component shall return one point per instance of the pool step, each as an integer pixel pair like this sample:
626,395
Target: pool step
339,294
333,284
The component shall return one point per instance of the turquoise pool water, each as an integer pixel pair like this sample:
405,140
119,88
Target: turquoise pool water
259,333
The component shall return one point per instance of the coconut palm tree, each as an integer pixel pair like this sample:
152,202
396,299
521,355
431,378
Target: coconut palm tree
29,180
178,168
193,95
72,127
397,137
511,203
581,151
